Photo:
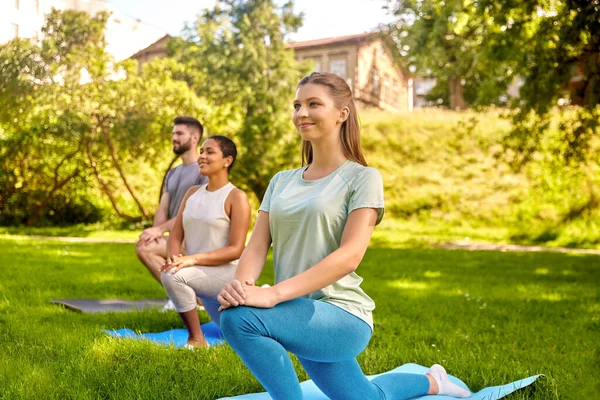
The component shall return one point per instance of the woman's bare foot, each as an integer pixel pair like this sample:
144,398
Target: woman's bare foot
197,342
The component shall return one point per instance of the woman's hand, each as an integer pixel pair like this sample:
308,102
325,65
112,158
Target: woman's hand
233,294
175,263
238,294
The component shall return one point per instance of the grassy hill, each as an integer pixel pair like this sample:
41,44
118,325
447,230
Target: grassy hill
446,179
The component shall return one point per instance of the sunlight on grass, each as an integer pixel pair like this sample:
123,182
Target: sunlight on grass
4,303
67,252
551,297
103,278
432,274
405,284
537,292
37,379
542,271
104,350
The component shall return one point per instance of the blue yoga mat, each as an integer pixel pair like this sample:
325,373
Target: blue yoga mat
311,392
176,337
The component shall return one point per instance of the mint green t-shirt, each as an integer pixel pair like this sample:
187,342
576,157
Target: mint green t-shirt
307,219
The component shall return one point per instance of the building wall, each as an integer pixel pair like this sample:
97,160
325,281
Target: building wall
380,83
24,18
330,59
363,59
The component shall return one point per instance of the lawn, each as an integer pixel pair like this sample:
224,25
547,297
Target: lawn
489,317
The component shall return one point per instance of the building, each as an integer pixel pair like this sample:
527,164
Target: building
124,35
23,18
583,85
157,49
366,62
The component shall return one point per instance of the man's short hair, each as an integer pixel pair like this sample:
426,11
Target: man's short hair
190,122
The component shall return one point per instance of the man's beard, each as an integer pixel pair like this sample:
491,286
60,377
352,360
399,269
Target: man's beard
182,148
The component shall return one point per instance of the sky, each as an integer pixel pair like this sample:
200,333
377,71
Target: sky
322,18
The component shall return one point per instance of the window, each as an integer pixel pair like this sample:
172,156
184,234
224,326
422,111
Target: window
15,30
395,92
386,93
338,67
16,4
316,64
376,81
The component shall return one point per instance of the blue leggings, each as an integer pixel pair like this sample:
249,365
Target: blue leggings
325,338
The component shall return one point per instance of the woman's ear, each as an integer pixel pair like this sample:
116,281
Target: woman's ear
228,161
344,115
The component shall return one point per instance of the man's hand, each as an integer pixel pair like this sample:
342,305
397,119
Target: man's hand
149,235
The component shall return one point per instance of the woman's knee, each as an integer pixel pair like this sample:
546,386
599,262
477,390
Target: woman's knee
169,280
234,321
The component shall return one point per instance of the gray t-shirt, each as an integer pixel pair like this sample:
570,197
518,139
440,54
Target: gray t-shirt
178,181
307,219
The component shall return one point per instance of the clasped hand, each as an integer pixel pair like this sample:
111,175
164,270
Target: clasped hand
237,293
175,263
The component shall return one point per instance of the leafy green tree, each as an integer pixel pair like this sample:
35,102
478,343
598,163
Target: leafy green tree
546,42
236,56
444,40
554,46
75,122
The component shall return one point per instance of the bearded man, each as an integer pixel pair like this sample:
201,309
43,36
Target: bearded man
151,248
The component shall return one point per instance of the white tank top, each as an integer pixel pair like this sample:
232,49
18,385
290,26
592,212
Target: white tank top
205,222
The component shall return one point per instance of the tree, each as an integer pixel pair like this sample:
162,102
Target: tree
235,55
444,40
74,121
549,41
544,43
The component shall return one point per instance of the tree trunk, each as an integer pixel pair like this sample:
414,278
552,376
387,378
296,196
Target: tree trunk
33,218
107,189
457,101
113,156
258,188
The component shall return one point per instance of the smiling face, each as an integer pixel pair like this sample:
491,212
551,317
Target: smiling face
211,158
315,115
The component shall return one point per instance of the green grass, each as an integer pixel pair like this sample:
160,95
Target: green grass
489,317
448,170
92,231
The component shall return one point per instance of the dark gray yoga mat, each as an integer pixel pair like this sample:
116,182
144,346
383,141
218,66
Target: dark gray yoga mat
110,305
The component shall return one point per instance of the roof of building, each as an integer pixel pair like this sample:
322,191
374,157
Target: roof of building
145,49
331,40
